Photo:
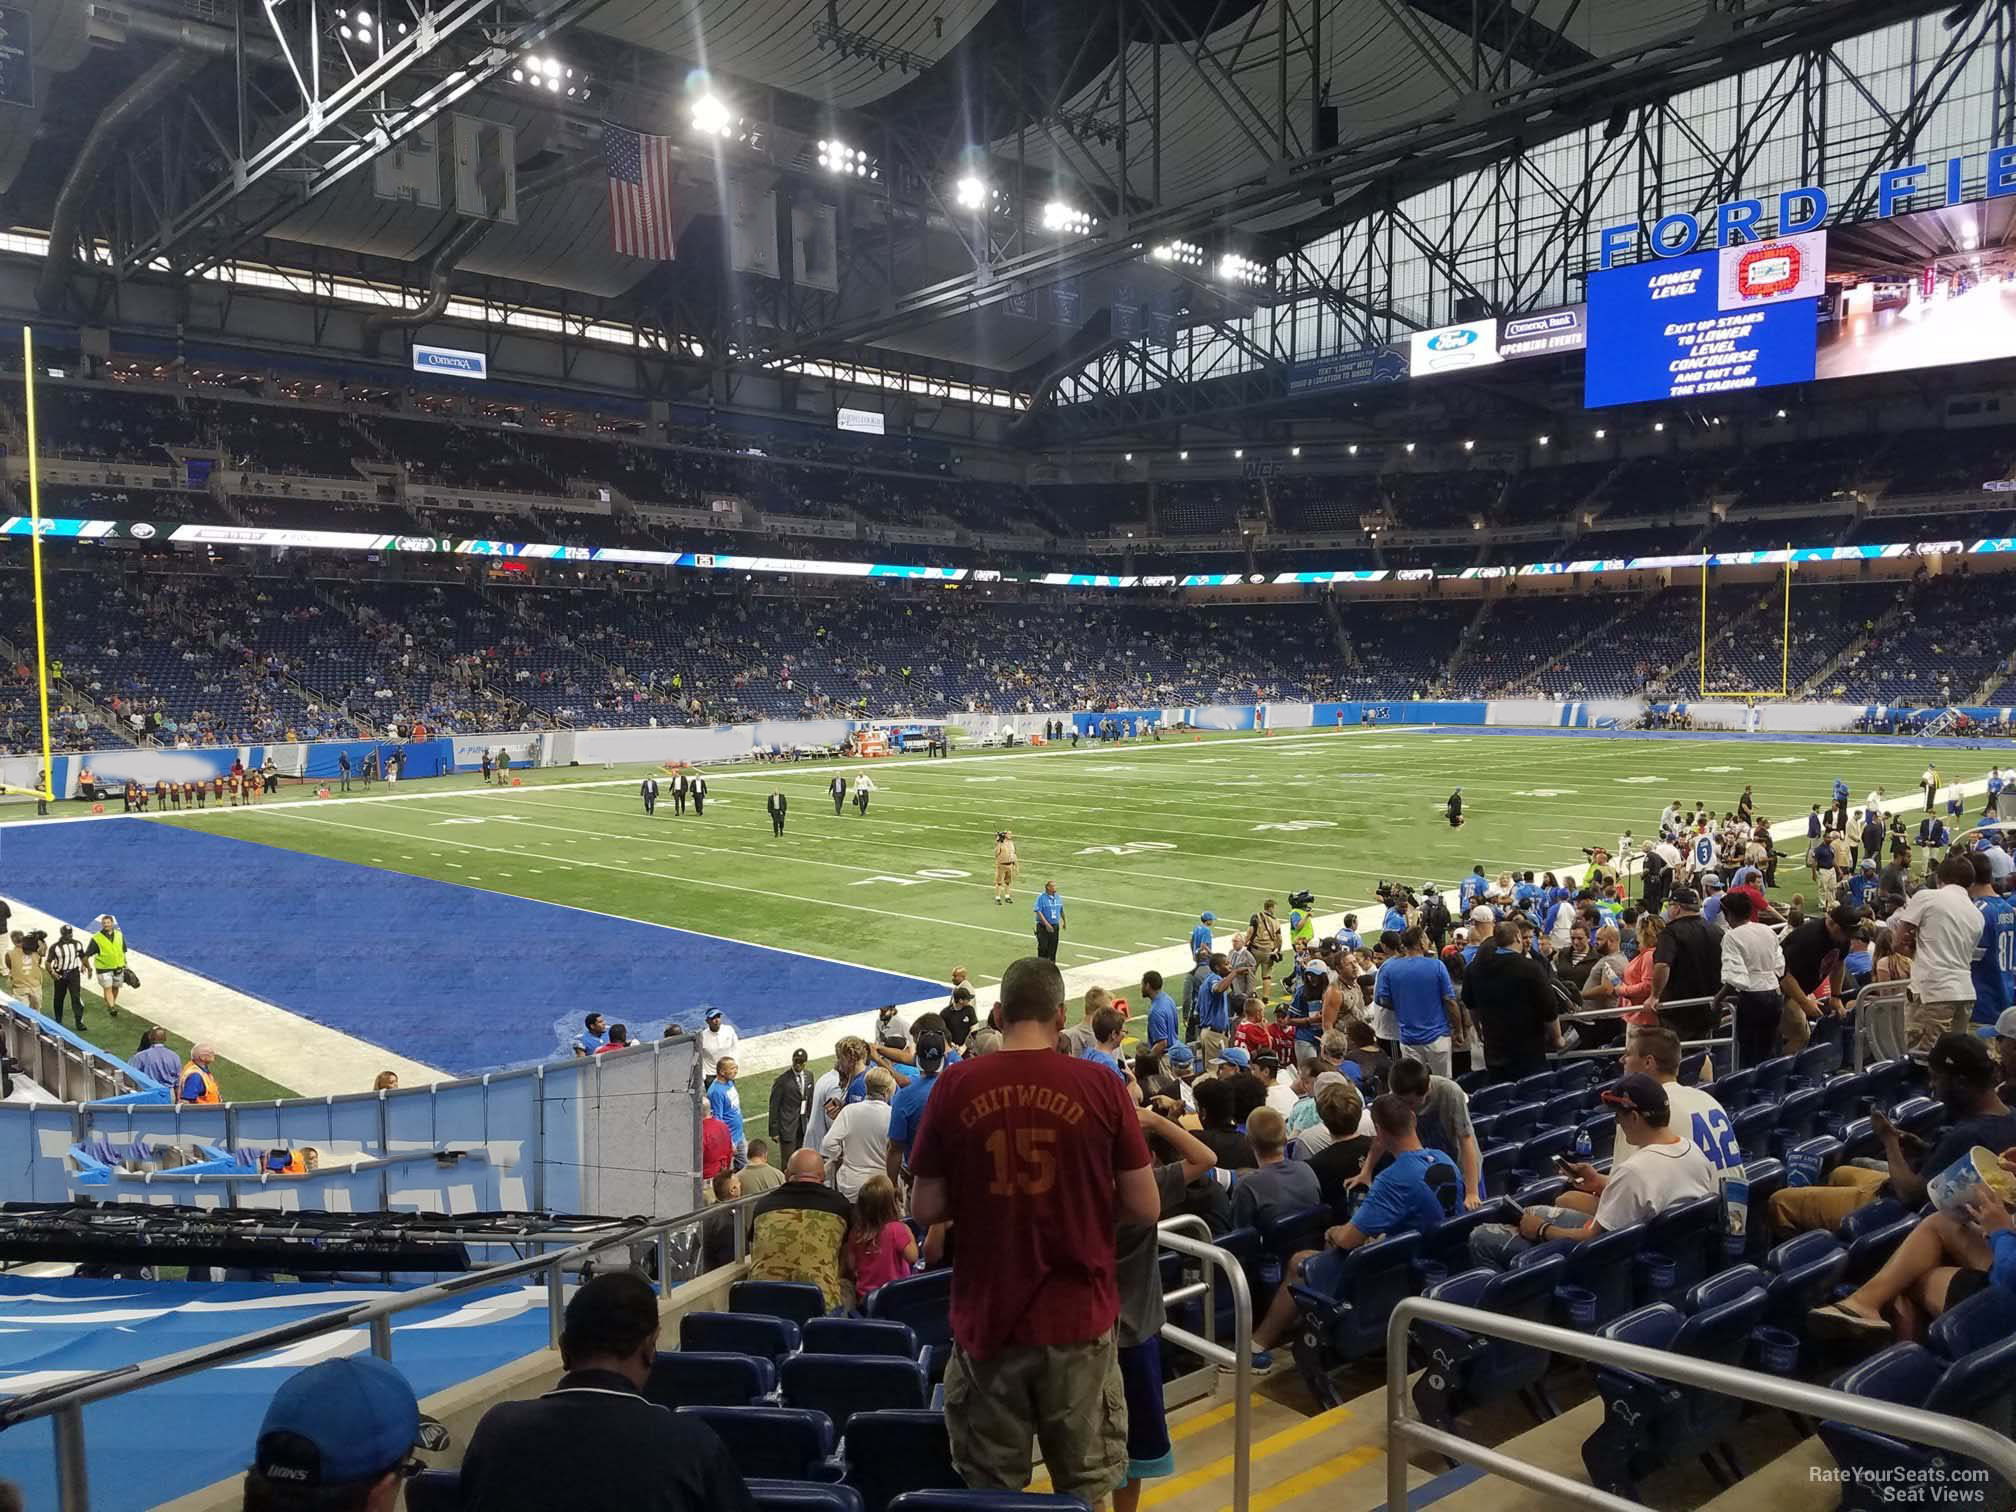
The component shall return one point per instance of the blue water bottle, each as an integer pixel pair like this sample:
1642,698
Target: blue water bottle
1583,1149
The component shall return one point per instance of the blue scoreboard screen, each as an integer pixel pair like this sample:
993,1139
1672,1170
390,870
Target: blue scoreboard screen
1741,317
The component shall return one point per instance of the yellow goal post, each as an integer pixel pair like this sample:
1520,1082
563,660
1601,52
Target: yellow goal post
1784,688
45,774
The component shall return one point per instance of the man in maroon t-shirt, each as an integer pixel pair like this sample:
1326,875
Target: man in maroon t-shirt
1034,1156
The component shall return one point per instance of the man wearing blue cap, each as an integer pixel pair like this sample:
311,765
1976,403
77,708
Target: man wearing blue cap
1200,937
338,1437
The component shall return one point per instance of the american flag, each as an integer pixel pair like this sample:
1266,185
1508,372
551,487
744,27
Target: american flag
640,192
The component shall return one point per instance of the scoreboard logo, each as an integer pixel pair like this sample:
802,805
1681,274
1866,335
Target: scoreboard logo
1449,348
1763,273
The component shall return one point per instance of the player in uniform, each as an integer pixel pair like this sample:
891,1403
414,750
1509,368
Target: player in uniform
217,789
1004,866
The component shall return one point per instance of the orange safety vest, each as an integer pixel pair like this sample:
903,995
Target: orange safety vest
209,1093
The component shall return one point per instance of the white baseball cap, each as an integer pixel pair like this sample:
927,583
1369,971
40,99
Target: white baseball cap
1482,915
2005,1025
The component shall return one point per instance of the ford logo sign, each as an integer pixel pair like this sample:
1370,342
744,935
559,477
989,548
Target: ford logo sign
1452,341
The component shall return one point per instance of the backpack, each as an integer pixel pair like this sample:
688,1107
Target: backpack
1435,917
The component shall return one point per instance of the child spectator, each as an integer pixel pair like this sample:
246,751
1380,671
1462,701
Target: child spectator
880,1246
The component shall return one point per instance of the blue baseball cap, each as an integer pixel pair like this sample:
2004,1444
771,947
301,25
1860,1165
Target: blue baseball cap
1181,1055
1233,1055
338,1423
1207,918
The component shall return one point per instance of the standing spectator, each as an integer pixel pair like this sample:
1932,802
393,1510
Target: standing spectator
797,1233
759,1176
1276,1185
1163,1029
107,947
1035,1158
906,1108
726,1102
1415,987
717,1148
1342,1155
697,789
647,790
1940,928
829,1093
66,977
777,806
385,1081
837,791
343,770
156,1061
1816,976
593,1036
1049,922
1442,1120
1753,966
678,786
863,786
562,1449
959,1015
24,968
716,1040
1686,966
1995,957
791,1105
336,1438
1512,1003
857,1145
880,1246
195,1082
1214,1010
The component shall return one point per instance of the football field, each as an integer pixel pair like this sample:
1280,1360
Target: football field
468,926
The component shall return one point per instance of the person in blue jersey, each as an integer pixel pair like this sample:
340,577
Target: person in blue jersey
1417,989
593,1036
1995,956
1469,892
1049,922
1163,1029
1214,1010
1840,803
1992,809
724,1101
1200,937
1348,937
1525,893
906,1107
1396,913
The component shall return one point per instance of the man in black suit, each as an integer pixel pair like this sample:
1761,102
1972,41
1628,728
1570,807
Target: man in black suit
791,1106
648,790
678,786
777,803
837,791
697,789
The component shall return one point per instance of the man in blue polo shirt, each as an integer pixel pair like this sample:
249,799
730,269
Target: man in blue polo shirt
1214,1010
1417,988
1049,921
906,1108
1162,1026
1200,937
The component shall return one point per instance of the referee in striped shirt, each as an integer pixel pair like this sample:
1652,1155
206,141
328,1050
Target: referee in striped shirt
66,966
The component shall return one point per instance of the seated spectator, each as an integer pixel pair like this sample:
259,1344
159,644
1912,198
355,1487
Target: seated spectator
717,1230
1963,1077
857,1146
1276,1185
1442,1114
1663,1169
797,1233
1941,1263
1403,1196
1342,1154
594,1442
880,1246
337,1437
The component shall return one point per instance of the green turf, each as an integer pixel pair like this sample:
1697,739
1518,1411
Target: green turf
1140,839
121,1036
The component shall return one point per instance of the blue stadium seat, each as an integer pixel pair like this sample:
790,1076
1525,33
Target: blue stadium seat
859,1336
706,1378
798,1301
1302,1229
1345,1298
1754,1126
1800,1116
1602,1266
1874,1242
1565,1108
1498,1164
1648,1422
1578,1075
802,1496
738,1333
1983,1320
1816,1063
435,1491
776,1443
1536,1088
1804,1272
1492,1099
924,1301
1772,1075
1463,1370
984,1501
1724,1286
1845,1099
1737,1090
1978,1386
1601,1127
1690,1234
1920,1116
842,1385
1448,1242
1763,1178
1243,1245
893,1451
1537,1154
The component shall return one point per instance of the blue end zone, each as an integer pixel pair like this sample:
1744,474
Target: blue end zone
452,976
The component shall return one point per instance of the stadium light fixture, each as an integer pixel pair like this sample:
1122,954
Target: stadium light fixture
1238,452
1601,433
1469,445
1352,448
1235,268
1294,451
836,156
1410,448
1658,425
1128,458
1781,414
711,117
1543,440
970,193
1185,254
1065,220
1182,456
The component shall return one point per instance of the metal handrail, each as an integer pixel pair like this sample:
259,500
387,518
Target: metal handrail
1404,1430
65,1402
1239,1358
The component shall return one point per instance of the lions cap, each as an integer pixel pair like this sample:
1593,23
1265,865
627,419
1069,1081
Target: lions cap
1233,1055
1181,1056
930,1048
338,1423
1207,918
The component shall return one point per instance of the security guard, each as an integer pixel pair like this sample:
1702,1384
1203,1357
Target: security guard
108,948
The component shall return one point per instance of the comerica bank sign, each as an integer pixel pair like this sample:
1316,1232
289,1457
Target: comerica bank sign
1913,186
432,359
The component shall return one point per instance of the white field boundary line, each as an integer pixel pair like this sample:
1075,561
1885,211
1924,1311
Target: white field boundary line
767,770
278,1043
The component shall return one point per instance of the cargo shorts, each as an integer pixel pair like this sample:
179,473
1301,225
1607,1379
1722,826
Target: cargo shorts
1069,1398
